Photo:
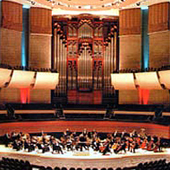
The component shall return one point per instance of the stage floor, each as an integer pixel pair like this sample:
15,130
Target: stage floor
86,158
84,154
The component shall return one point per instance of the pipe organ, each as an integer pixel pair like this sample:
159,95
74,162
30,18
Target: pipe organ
85,53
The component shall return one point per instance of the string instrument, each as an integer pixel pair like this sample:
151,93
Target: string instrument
144,144
150,146
156,146
114,146
102,148
138,140
119,147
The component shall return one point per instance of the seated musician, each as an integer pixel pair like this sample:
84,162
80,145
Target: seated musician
92,134
63,141
124,134
26,145
7,139
150,145
121,146
17,144
85,132
107,147
116,134
133,145
156,144
96,142
144,143
82,142
69,143
56,146
68,132
133,134
142,133
45,147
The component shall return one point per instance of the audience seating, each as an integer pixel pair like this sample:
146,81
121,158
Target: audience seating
15,164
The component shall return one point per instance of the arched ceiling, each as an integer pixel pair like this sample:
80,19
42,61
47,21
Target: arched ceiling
89,5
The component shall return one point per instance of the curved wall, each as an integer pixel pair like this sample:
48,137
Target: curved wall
159,45
78,126
131,55
39,53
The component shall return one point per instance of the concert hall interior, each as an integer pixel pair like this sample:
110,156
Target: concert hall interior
84,85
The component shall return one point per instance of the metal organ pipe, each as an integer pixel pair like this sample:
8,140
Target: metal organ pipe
111,55
65,66
55,49
85,31
115,52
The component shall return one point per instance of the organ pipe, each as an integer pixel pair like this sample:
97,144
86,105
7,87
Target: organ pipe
60,63
86,62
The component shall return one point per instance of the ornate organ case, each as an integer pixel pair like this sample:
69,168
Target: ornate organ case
85,52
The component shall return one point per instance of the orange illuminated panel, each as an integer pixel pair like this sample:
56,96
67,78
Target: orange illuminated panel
46,80
165,78
148,80
21,79
4,76
123,81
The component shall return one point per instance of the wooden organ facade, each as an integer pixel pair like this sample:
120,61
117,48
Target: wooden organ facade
85,53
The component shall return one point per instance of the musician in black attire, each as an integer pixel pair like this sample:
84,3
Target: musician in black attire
56,147
96,144
107,148
7,139
82,142
122,146
17,144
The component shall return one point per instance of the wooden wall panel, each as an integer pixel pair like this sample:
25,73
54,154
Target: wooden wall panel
40,96
40,20
159,48
78,126
130,52
12,15
128,97
159,97
10,95
10,46
40,51
130,21
159,17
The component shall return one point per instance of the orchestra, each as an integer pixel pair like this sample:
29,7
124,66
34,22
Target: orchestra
115,142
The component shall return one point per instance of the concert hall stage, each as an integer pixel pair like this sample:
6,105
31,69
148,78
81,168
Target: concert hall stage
84,159
91,160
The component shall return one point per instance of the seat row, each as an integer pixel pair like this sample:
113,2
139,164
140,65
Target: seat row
15,164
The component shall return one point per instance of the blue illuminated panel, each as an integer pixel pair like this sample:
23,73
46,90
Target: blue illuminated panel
145,38
25,34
